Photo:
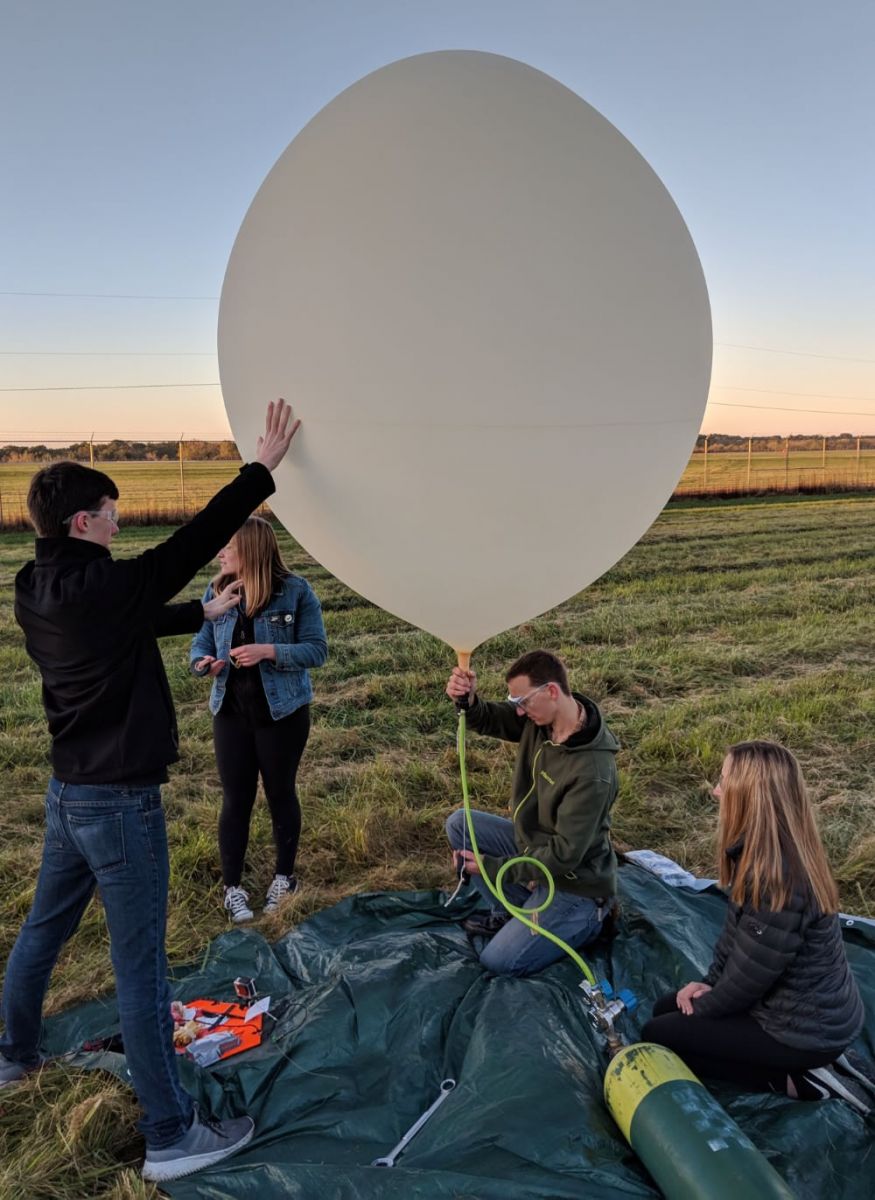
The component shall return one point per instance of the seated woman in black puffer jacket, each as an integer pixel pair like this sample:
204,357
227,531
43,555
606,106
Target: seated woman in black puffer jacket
779,998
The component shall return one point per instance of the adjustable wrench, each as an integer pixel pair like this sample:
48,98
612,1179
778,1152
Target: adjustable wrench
389,1161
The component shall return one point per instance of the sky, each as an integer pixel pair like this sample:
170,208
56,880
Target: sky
133,138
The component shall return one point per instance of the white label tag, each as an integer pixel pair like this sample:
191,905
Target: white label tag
259,1007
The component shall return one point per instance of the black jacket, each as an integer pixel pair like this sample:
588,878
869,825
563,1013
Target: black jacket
90,624
789,970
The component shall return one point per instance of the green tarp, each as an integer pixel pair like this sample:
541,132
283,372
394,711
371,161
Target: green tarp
380,998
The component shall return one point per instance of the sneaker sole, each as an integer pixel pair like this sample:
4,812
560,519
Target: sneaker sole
164,1172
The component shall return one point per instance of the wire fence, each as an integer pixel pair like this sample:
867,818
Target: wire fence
160,483
805,464
169,481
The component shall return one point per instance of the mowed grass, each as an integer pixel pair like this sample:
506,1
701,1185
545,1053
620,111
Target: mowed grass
725,622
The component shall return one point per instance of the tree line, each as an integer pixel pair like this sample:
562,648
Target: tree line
126,450
122,450
735,443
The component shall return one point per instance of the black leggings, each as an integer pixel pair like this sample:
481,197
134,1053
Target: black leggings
243,750
733,1048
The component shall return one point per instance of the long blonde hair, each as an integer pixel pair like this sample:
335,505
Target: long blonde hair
259,564
764,803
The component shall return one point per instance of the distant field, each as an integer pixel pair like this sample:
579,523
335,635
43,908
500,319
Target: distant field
152,491
727,621
150,488
774,469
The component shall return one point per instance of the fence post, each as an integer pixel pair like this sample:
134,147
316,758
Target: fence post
705,464
859,439
1,511
823,458
181,477
91,451
787,464
749,452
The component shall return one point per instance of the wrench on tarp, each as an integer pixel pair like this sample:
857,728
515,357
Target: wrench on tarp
389,1161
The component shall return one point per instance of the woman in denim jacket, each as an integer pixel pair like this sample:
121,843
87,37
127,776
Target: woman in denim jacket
258,655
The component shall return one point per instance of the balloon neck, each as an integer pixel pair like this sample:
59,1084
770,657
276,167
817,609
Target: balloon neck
464,659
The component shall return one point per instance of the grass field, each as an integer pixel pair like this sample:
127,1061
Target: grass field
156,491
153,488
725,622
775,470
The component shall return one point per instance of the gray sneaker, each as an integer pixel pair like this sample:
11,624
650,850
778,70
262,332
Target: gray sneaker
205,1143
237,903
282,886
13,1072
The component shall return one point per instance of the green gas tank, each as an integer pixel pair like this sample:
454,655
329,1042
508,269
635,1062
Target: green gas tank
688,1143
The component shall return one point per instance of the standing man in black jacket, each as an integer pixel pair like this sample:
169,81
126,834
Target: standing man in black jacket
90,624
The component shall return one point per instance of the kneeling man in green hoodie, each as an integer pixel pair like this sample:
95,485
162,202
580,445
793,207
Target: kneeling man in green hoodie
564,783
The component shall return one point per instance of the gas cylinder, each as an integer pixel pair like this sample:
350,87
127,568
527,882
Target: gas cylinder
685,1139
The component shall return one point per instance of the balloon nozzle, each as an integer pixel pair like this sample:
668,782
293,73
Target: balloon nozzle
463,703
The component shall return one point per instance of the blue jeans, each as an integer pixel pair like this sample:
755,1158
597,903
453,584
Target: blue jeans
113,838
515,950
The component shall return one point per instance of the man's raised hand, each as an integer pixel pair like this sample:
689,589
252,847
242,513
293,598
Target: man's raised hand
279,429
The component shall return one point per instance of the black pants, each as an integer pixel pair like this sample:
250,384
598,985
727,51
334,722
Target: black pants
243,751
732,1048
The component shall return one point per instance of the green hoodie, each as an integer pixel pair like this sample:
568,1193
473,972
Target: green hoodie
561,799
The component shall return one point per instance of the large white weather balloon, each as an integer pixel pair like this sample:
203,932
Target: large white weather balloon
492,319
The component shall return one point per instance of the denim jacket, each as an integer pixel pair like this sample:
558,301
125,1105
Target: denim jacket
292,621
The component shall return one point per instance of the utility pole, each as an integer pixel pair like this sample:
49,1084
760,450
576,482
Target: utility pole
181,476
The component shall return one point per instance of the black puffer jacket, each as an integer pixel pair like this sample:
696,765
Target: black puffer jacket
789,970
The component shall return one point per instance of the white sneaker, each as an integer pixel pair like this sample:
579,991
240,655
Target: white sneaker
282,886
237,904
